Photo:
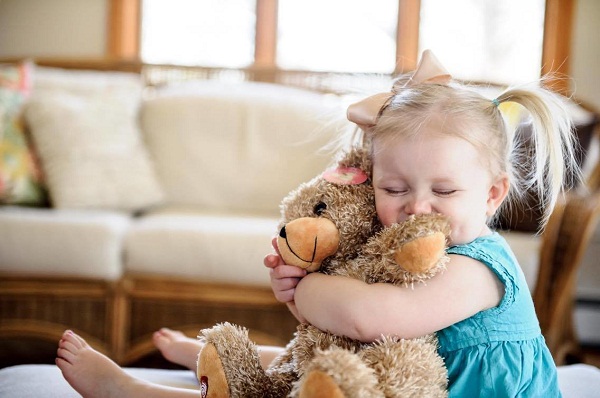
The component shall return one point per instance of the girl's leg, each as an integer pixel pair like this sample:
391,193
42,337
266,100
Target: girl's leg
177,347
182,350
94,375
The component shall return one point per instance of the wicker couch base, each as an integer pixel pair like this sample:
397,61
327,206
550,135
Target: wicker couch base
119,318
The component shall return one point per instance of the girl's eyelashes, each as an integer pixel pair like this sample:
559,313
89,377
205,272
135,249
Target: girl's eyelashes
391,191
401,191
445,192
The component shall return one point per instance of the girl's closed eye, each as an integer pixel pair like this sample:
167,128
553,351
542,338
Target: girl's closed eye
395,191
444,192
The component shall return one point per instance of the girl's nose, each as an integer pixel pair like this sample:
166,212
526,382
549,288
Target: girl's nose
418,206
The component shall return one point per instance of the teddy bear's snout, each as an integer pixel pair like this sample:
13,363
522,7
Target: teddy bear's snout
306,242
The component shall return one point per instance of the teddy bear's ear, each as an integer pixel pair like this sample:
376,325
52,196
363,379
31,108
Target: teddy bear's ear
356,158
344,175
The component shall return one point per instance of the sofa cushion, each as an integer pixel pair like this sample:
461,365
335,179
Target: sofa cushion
208,247
238,146
46,242
85,128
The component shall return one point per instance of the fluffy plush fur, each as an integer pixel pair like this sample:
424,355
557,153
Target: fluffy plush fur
331,226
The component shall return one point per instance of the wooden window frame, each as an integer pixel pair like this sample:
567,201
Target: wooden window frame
556,50
124,28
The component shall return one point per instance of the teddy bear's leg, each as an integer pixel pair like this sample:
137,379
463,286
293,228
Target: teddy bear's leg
408,367
229,365
211,375
337,373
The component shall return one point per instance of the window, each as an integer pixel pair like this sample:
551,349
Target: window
362,38
198,32
485,40
504,41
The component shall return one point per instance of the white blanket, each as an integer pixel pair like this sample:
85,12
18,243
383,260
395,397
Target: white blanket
33,381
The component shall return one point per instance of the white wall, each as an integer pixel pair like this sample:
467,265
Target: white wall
53,28
585,52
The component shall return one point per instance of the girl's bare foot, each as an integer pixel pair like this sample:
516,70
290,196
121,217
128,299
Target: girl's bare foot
177,347
89,372
93,375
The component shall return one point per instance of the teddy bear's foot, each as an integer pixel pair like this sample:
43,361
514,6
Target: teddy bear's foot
229,366
211,375
337,372
318,384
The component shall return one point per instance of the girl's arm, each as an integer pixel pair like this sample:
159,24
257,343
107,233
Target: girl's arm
364,312
267,354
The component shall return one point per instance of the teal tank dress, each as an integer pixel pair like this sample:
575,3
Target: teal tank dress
499,352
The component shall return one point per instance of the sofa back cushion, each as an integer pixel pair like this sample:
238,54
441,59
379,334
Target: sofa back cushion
86,131
238,147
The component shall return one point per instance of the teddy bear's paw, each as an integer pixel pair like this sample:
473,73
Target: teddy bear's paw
211,375
318,384
422,254
337,373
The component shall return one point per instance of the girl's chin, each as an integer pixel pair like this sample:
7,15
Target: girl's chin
462,240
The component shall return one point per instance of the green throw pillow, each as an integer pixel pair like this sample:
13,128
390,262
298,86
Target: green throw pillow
20,176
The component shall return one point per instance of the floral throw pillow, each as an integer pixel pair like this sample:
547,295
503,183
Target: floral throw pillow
20,177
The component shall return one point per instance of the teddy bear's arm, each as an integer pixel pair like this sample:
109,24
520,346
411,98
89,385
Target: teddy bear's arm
404,254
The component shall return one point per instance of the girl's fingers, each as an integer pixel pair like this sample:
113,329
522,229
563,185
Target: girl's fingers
285,296
272,261
287,271
284,284
275,246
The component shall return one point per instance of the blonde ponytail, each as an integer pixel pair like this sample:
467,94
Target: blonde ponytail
553,165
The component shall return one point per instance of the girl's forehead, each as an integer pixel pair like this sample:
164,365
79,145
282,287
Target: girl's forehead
425,134
444,151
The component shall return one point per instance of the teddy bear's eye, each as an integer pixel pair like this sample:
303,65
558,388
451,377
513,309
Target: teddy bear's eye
320,208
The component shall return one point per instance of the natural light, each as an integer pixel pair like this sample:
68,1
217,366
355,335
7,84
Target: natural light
480,40
497,41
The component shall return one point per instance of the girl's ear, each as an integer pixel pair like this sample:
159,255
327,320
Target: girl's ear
497,193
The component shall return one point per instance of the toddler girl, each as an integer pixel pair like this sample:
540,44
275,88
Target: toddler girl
440,147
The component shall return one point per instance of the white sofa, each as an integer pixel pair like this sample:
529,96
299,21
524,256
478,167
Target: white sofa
205,170
163,203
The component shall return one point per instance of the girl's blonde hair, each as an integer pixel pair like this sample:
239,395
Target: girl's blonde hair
544,167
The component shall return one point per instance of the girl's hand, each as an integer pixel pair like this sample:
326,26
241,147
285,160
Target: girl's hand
284,278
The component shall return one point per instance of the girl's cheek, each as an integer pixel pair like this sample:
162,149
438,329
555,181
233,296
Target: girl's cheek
383,216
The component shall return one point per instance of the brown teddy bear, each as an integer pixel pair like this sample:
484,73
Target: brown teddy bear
330,225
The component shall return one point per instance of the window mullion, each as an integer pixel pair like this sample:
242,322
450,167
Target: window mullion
407,36
123,39
266,34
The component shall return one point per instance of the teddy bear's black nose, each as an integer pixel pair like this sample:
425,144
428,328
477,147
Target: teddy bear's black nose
282,232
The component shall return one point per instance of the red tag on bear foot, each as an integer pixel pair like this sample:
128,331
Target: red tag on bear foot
203,386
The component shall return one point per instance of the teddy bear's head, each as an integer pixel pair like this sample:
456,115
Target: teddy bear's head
330,217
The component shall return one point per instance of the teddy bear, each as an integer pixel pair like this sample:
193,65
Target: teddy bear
330,225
